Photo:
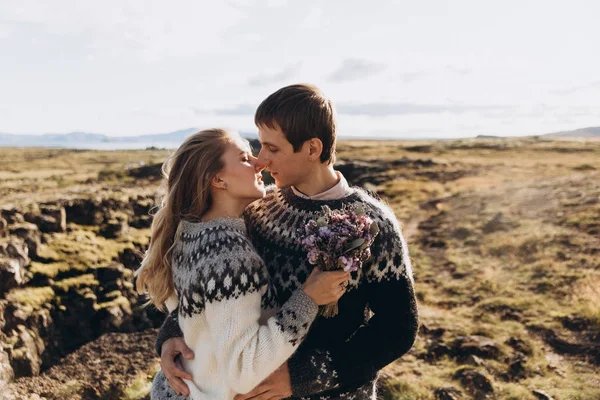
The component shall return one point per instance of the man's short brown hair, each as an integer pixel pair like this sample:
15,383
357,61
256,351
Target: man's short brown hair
302,112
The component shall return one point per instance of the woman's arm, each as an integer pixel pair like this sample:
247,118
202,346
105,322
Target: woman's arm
231,298
248,352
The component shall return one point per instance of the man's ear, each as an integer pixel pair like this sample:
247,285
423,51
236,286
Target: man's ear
315,148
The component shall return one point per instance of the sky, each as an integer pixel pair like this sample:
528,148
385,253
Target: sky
397,69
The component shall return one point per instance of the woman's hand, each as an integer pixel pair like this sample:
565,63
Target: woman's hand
326,287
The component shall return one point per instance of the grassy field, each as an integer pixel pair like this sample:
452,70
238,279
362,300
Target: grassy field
504,236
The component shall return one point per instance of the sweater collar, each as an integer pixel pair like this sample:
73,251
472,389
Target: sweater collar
189,227
309,204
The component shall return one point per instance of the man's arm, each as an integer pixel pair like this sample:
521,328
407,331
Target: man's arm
169,329
388,335
169,345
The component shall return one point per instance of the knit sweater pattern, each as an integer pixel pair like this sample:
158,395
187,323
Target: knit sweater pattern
341,356
228,312
377,320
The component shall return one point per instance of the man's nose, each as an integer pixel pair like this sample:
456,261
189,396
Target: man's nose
261,161
258,167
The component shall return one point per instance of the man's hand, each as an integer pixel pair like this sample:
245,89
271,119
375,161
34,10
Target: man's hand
168,353
276,386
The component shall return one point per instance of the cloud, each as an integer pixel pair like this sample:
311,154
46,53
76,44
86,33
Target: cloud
355,68
388,109
370,109
238,110
574,89
458,70
151,30
412,76
268,78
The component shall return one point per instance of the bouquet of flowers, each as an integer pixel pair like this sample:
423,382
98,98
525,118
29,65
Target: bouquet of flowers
339,239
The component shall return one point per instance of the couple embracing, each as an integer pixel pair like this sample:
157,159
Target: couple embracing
226,259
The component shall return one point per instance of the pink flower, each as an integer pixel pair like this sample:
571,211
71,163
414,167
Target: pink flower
346,263
313,256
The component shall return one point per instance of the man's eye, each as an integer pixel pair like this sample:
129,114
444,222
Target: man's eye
272,149
245,159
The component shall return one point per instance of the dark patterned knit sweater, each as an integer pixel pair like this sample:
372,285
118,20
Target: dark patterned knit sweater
341,356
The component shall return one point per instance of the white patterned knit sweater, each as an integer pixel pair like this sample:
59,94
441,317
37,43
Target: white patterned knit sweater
226,312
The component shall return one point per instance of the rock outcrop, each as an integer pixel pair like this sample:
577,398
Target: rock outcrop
56,295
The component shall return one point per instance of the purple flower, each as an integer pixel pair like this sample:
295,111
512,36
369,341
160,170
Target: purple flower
313,256
347,263
339,239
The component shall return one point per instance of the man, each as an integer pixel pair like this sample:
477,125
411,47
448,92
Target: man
341,356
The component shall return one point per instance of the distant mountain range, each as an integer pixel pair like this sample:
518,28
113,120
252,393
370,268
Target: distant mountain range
84,140
593,132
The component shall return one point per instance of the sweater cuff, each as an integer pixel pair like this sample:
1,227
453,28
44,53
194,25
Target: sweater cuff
312,372
303,305
296,316
169,329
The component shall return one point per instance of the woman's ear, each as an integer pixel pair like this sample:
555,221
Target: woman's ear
218,183
315,148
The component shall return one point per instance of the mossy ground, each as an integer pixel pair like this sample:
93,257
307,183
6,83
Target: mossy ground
503,234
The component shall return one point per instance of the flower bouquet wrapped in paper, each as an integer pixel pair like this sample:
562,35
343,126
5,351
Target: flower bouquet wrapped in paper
339,239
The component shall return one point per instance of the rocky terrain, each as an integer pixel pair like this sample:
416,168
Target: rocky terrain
504,235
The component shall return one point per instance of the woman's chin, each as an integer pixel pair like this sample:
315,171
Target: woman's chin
261,192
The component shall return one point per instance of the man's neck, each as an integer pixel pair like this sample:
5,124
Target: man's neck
321,179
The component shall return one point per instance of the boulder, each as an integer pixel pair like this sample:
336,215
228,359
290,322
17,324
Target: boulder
437,350
519,345
480,346
12,216
3,225
516,367
53,219
475,361
142,205
115,315
131,258
85,211
30,234
6,372
476,383
575,323
111,273
12,274
141,222
17,249
26,360
541,395
447,393
361,172
151,172
115,227
433,332
13,260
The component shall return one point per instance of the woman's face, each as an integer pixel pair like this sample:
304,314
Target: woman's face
240,173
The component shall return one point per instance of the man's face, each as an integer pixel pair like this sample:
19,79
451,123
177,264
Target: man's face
277,156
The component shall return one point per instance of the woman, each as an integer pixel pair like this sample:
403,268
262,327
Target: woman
200,260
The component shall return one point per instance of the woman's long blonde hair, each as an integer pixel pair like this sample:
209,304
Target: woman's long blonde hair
188,173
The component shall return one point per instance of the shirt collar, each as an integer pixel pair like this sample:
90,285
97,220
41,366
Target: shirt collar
340,190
